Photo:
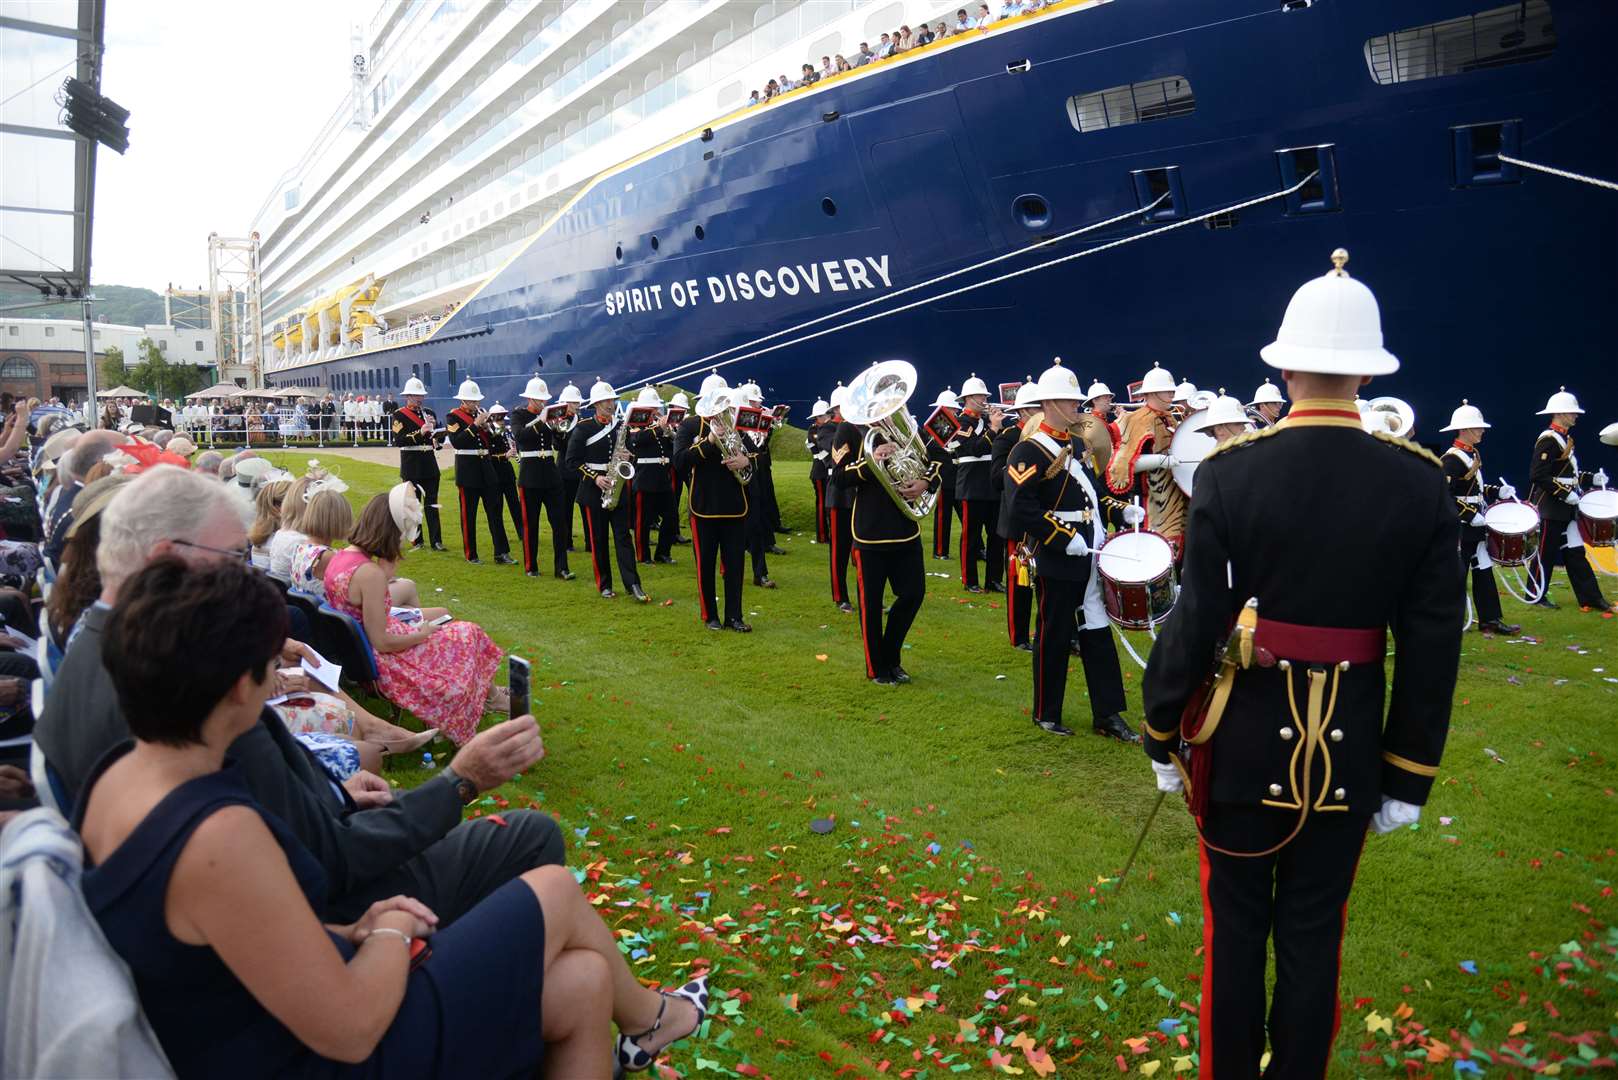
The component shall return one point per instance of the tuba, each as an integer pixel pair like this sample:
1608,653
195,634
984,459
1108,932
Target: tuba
723,426
1389,415
619,467
876,401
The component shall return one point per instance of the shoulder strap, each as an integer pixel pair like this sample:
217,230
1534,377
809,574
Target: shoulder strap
1409,447
1246,438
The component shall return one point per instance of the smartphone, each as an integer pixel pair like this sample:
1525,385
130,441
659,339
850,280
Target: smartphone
517,684
442,619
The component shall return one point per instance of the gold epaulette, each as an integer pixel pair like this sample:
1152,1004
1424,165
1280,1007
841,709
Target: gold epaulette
1246,438
1413,447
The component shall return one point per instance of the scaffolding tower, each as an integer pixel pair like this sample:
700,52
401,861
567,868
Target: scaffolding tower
191,309
235,309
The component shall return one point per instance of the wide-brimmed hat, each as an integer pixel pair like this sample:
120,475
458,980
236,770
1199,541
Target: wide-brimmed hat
404,504
469,392
1332,326
1467,416
1561,402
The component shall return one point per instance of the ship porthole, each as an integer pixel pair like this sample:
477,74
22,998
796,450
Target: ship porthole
654,243
700,234
569,358
1031,211
829,207
619,252
539,360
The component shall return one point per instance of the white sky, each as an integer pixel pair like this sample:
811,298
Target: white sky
223,97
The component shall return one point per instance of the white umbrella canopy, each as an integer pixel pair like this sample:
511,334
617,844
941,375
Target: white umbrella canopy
213,393
260,395
121,391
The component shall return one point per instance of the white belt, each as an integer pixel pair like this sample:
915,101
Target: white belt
418,448
651,461
536,453
1069,515
472,453
589,466
971,460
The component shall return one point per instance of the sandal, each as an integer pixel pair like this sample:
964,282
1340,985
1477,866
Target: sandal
499,700
409,743
631,1058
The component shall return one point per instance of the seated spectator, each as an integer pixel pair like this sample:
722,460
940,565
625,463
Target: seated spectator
1009,8
865,55
286,540
208,463
216,905
342,734
442,674
78,582
326,521
924,36
810,76
269,500
842,64
962,23
370,842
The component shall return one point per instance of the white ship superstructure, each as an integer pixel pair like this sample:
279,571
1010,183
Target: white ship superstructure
472,122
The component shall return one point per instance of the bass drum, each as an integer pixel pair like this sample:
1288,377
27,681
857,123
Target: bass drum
1598,517
1512,533
1137,579
1188,447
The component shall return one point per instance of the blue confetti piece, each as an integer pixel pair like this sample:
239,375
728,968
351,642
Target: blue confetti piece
967,844
1469,966
1465,1065
934,848
1170,1026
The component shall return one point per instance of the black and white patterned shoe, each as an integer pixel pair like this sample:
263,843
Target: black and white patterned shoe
631,1058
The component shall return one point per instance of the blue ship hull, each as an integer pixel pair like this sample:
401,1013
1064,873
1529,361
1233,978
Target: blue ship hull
1493,292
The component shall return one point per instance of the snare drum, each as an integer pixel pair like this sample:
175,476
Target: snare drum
1513,532
1598,517
1137,579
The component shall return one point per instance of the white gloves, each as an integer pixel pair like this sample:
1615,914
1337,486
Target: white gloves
1571,498
1168,777
1477,519
1077,546
1507,491
1472,500
1394,815
1153,462
1600,478
1133,515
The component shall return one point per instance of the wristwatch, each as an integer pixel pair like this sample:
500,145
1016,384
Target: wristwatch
464,790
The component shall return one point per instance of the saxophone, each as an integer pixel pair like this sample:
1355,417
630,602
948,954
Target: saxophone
619,467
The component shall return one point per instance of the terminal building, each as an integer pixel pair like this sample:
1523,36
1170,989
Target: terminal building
44,358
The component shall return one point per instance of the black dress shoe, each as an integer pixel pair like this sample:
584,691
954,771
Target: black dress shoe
1547,602
776,549
1500,626
995,586
639,594
564,575
715,624
417,546
682,540
738,626
531,573
764,583
1055,727
784,532
644,562
846,608
1113,727
885,678
504,560
900,675
664,560
608,594
439,547
941,558
1024,646
475,562
974,588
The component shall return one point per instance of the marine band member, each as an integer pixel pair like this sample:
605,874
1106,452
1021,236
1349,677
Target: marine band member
413,426
502,454
719,507
839,505
1019,577
819,464
590,452
1265,408
943,455
1291,758
1555,483
539,480
653,447
1056,509
1141,465
980,423
1463,466
1100,400
468,427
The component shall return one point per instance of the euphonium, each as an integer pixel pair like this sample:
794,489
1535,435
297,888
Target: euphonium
876,401
621,470
1388,414
731,443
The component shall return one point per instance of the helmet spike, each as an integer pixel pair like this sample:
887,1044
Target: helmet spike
1339,259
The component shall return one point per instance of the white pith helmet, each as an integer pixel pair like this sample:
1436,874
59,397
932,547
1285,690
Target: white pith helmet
711,382
469,392
1267,394
1467,416
497,409
413,388
947,400
1561,402
570,396
600,391
1159,380
1097,389
974,385
680,401
1223,410
713,403
1057,383
1185,391
839,396
820,408
648,396
536,390
1332,326
1027,396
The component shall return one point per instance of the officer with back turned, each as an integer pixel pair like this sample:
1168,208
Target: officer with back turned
1291,759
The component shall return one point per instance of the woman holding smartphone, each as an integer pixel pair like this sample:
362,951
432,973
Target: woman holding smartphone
212,903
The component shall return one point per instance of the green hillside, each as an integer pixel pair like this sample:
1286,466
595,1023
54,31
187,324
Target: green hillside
127,304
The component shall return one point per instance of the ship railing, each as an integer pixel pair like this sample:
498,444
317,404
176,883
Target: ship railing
283,428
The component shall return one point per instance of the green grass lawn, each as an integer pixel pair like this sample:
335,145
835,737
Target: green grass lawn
961,916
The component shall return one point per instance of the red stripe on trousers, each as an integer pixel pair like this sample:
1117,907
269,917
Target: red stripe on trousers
939,514
595,558
527,544
696,549
466,535
640,524
966,531
1205,1010
865,642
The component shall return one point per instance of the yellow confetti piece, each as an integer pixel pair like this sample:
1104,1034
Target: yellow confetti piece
1026,1000
1377,1022
1147,1068
968,899
1264,1062
1063,940
1183,1063
1553,1069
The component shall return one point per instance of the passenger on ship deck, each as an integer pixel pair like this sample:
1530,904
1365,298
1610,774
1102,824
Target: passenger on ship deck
884,48
924,36
754,98
983,19
826,69
865,56
843,65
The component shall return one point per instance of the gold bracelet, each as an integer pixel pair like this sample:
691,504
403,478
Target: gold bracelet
400,934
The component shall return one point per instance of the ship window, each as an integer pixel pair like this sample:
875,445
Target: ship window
654,243
1513,34
415,371
569,358
1477,153
395,376
619,252
701,235
1118,106
427,374
829,207
1031,211
886,19
453,381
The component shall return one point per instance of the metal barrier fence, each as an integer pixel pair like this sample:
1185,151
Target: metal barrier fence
281,429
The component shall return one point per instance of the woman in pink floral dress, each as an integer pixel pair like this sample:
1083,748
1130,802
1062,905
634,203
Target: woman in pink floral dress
442,674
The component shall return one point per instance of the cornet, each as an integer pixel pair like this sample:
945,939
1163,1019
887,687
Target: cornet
876,401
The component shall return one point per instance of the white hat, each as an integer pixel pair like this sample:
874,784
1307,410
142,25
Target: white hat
1609,435
1223,410
1097,389
1157,381
821,407
404,503
469,392
536,390
497,409
839,396
648,396
1332,326
254,472
1027,396
570,396
749,391
711,382
974,385
1268,394
601,390
1201,399
947,400
1057,383
680,401
1185,390
1467,416
712,404
413,388
1561,402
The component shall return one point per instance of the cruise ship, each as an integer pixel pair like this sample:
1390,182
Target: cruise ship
583,189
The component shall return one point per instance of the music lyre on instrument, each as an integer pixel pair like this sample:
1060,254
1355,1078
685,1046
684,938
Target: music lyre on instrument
942,425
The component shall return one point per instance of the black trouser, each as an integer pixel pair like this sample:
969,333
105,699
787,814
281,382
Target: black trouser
597,520
977,523
767,500
584,519
1059,604
490,498
1019,599
472,860
1300,894
679,486
839,527
654,508
820,509
718,539
877,567
530,500
943,510
1485,596
1552,542
759,535
508,489
429,507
